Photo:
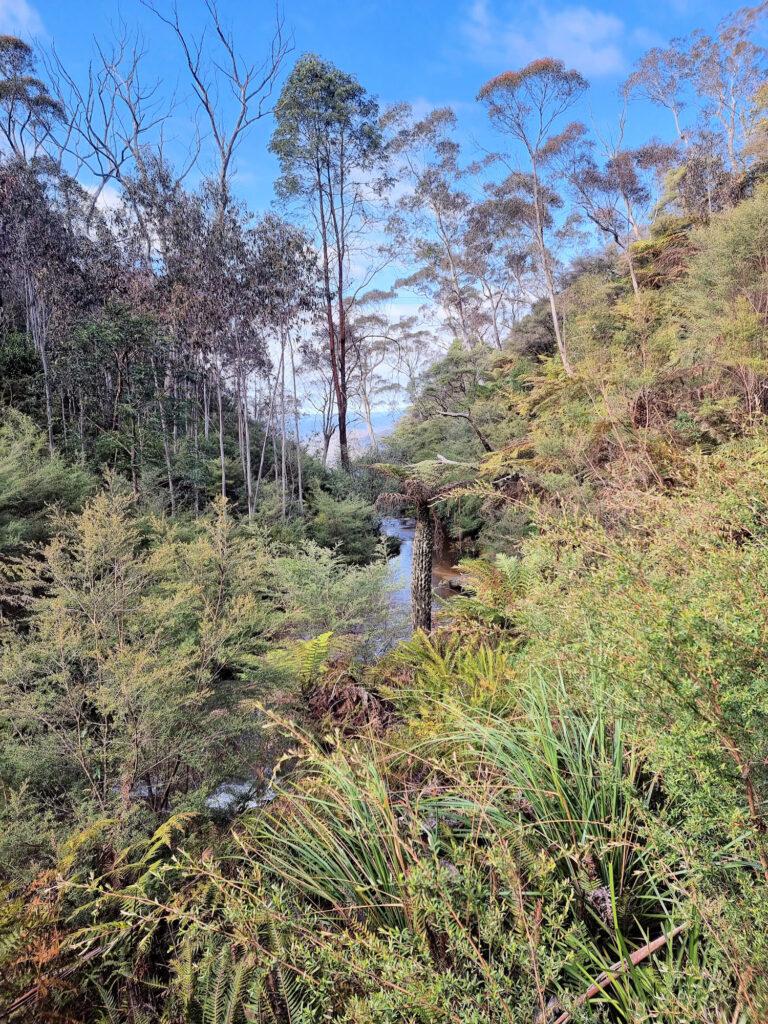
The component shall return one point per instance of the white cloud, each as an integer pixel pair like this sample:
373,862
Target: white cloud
589,40
108,199
19,18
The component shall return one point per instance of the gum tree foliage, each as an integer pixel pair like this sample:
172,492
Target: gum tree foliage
612,197
500,258
431,223
43,260
329,143
288,285
28,113
452,385
528,106
374,369
211,302
710,85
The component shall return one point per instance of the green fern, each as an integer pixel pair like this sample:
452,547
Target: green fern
304,659
520,576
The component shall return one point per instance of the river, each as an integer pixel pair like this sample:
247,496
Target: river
443,566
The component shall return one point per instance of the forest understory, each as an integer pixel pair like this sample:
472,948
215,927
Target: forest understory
230,791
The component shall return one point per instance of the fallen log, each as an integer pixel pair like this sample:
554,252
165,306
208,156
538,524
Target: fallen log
615,971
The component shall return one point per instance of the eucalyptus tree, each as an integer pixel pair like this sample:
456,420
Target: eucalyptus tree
321,393
371,344
35,238
431,223
727,70
499,256
450,387
329,142
118,117
412,348
216,68
42,260
29,115
613,197
662,77
529,106
116,121
697,188
717,77
287,287
211,303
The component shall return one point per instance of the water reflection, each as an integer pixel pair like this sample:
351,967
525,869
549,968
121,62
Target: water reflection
443,566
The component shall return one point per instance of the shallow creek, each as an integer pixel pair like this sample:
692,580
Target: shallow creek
247,793
443,566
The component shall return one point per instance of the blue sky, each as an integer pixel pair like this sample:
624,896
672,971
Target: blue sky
428,52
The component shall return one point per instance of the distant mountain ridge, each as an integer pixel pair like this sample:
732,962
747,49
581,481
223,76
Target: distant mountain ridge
383,421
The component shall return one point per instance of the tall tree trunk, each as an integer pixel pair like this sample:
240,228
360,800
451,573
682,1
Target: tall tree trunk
221,437
342,351
298,436
166,448
328,424
240,424
632,274
454,278
547,268
368,417
274,458
342,403
343,443
81,422
206,407
335,362
63,420
488,291
134,471
267,428
171,386
248,466
421,569
282,428
196,437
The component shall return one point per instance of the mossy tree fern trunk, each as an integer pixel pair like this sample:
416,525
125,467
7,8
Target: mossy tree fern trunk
421,568
417,496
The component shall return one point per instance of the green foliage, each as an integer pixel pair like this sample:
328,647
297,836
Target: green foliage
505,862
31,481
306,659
348,525
319,593
20,375
323,114
130,685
